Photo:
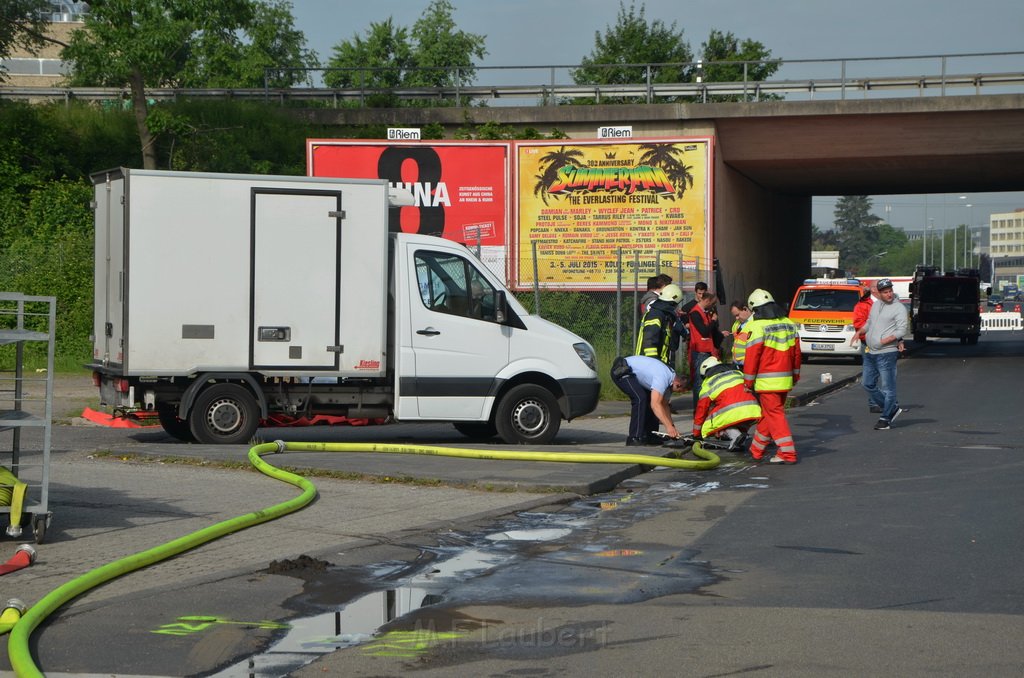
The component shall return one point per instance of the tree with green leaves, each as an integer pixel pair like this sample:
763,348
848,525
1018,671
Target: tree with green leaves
22,25
377,62
178,43
853,212
867,245
273,53
635,51
434,53
619,52
726,58
440,49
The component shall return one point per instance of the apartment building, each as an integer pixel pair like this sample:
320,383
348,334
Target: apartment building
43,68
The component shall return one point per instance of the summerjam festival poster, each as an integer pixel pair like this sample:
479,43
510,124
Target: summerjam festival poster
581,202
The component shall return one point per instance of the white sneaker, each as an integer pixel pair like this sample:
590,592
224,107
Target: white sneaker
898,412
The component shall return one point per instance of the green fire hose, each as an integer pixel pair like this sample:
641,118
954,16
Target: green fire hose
21,623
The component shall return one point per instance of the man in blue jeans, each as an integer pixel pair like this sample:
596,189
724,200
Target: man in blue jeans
886,325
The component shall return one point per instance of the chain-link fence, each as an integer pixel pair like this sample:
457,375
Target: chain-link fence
610,319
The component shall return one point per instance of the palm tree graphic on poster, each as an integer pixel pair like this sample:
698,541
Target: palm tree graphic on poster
550,164
662,156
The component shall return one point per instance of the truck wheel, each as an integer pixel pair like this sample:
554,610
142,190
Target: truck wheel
224,414
477,430
528,414
173,426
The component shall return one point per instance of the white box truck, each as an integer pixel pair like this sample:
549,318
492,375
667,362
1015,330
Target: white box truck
224,299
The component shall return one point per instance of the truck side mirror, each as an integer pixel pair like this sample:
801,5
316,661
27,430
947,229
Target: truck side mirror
988,291
500,306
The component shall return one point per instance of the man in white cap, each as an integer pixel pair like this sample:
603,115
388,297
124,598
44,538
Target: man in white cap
886,325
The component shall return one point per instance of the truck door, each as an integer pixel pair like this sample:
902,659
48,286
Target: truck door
295,304
458,346
109,293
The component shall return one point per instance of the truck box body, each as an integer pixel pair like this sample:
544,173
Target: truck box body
222,264
224,299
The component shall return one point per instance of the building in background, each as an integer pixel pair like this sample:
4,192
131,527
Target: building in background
43,68
1007,234
1006,248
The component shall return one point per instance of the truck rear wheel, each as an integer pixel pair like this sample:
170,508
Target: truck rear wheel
224,414
176,428
528,414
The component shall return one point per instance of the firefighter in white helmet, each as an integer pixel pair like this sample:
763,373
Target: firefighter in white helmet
661,331
724,406
771,368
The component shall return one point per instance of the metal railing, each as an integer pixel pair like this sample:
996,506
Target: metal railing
805,79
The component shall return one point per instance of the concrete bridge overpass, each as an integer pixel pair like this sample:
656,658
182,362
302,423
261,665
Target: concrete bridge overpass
772,157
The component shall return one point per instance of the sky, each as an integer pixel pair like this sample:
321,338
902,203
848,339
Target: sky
562,32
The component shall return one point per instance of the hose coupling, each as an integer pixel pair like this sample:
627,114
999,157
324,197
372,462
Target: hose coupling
16,604
14,531
281,446
30,550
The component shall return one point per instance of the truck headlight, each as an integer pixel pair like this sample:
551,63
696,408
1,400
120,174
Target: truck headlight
586,354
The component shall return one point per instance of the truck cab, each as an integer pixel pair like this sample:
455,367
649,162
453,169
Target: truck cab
946,305
822,308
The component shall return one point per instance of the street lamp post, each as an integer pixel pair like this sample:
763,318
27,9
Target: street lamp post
931,227
942,250
876,256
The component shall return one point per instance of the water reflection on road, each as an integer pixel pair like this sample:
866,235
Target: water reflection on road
574,556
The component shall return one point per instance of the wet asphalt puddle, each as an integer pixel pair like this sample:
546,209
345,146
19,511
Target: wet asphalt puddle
572,557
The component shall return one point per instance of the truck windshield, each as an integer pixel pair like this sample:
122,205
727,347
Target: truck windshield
826,300
949,291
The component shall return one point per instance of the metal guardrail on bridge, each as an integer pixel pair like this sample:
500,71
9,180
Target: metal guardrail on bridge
827,78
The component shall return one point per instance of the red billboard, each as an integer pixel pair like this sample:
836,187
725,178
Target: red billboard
460,189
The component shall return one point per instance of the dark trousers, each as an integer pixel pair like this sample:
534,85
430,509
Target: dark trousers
695,379
642,420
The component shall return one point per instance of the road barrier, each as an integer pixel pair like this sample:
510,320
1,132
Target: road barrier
1001,321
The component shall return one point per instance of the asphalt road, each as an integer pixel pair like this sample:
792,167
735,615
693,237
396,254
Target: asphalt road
882,553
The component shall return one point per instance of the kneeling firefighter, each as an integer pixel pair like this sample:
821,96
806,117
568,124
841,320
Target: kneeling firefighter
724,406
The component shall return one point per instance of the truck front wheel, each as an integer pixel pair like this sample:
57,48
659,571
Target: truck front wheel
224,414
528,414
